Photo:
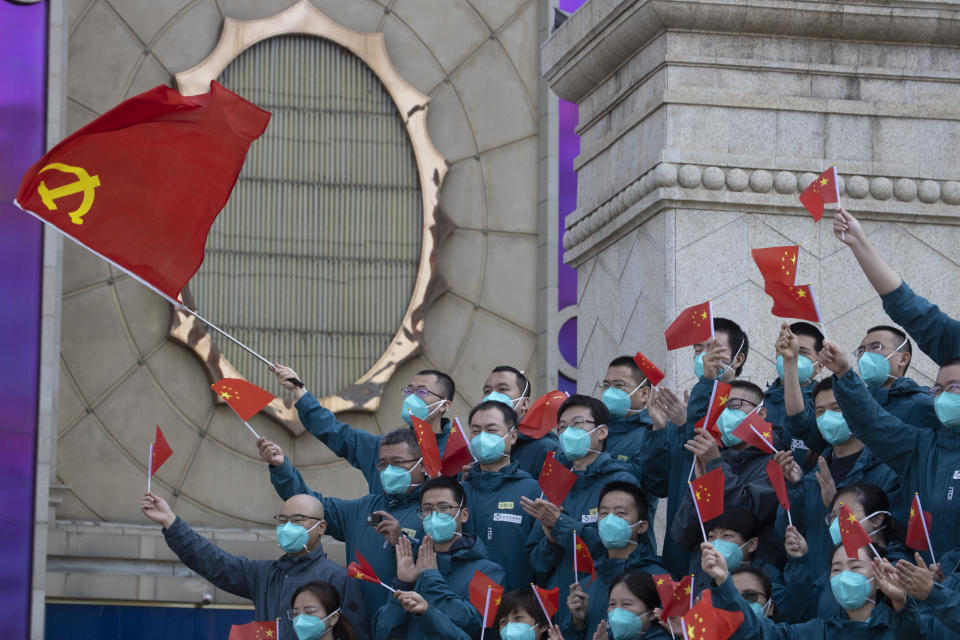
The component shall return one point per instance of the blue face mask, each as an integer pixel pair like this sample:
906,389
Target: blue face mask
496,396
575,442
804,368
947,406
414,404
698,366
615,532
732,554
625,625
396,480
851,589
311,627
517,631
293,537
729,420
617,401
758,609
488,447
440,526
833,427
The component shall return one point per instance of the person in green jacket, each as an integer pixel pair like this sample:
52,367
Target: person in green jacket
427,396
809,341
495,486
936,333
629,612
508,385
520,617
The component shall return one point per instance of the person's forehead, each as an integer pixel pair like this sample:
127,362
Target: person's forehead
397,450
807,342
298,504
487,417
307,599
617,499
949,374
621,591
576,411
720,532
747,580
824,397
427,380
619,372
744,394
722,338
436,496
881,335
501,378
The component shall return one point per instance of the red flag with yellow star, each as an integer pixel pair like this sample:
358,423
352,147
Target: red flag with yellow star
793,301
583,561
650,370
756,432
779,484
479,587
141,185
361,570
541,417
851,533
718,400
246,398
706,622
824,190
255,631
674,596
708,493
160,451
918,527
777,264
555,480
428,447
456,454
549,599
693,326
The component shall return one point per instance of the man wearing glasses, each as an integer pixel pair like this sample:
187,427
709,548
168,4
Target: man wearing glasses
373,523
270,584
428,397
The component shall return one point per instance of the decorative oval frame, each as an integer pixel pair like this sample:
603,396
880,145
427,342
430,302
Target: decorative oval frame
305,19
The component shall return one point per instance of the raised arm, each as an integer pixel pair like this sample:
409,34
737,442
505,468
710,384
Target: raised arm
883,278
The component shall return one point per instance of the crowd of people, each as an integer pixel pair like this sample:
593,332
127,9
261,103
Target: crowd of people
854,433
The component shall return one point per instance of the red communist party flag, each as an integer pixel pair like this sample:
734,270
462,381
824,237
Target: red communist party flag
793,301
756,432
708,493
777,264
141,185
693,326
823,190
361,570
160,451
478,588
650,371
254,631
775,473
541,417
718,401
918,527
246,398
706,622
457,452
428,446
555,480
851,533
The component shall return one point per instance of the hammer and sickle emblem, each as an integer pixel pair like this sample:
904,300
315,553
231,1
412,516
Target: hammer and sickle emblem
84,183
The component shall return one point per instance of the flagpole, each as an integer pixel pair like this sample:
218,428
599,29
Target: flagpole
486,610
542,606
691,590
576,579
149,466
926,533
762,438
256,435
693,494
683,626
456,419
390,589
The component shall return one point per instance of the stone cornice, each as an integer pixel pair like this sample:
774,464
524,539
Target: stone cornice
752,190
596,40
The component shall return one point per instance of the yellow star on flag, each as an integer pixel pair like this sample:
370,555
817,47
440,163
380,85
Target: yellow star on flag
852,518
225,395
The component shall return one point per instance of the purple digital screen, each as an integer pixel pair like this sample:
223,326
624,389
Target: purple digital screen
23,34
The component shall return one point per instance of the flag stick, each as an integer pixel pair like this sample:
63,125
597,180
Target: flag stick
149,466
256,435
542,606
464,436
692,467
576,574
789,519
683,625
693,494
691,590
486,609
390,589
926,533
670,626
752,428
277,622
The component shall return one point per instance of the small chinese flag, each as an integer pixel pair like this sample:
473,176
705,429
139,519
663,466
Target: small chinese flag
428,447
777,264
549,599
851,533
775,473
541,417
918,529
823,190
246,398
457,452
361,570
763,441
254,631
650,370
674,596
584,559
159,451
141,185
705,622
708,492
478,588
793,301
555,480
718,400
693,326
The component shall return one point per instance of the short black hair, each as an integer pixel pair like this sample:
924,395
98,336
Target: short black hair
445,382
951,362
599,411
824,385
522,383
520,600
807,329
748,386
737,338
445,482
640,584
901,336
509,415
640,500
736,519
630,363
403,436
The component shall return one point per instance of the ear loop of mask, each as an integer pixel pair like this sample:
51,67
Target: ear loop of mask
415,484
315,525
588,433
634,542
629,395
881,527
896,351
732,360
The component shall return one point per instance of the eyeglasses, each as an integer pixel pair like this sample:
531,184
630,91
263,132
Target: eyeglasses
754,596
872,347
576,424
421,392
309,611
297,518
447,509
383,464
737,403
953,387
